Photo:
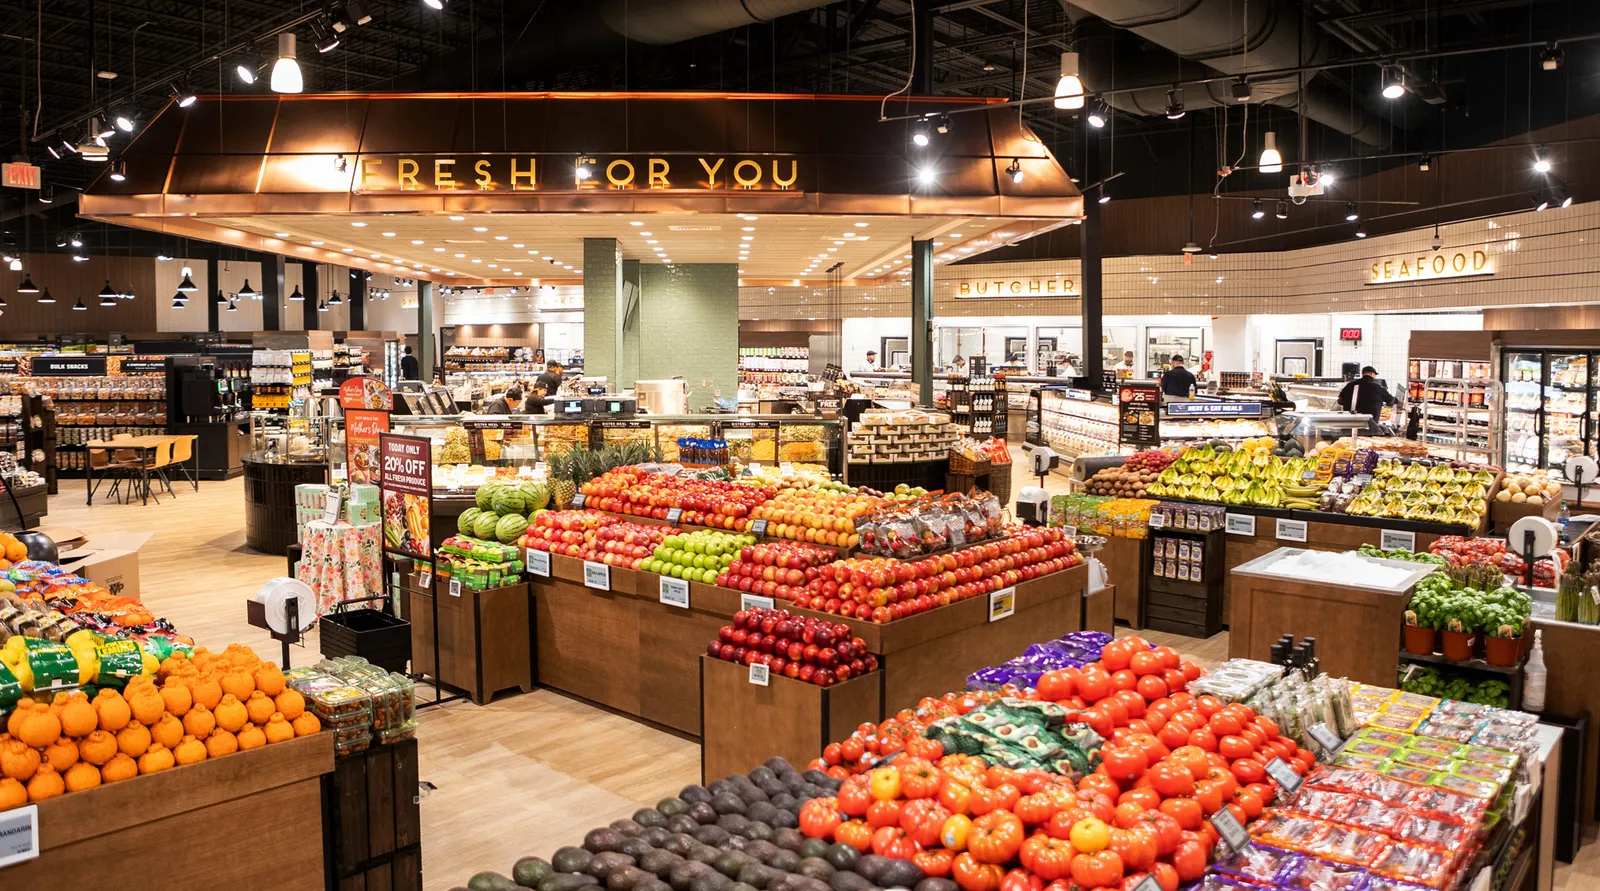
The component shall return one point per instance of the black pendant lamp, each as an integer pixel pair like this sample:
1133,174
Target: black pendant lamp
109,295
334,299
222,298
233,306
79,307
247,292
296,296
27,286
322,306
45,297
187,286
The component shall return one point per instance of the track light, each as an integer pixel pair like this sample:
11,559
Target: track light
1361,231
245,71
1099,113
1350,214
68,147
1015,170
54,152
79,307
296,296
286,71
27,286
324,39
1541,160
1256,211
1425,163
1283,209
125,121
927,175
1539,200
1174,104
1271,160
248,292
119,171
1563,197
101,131
45,297
920,134
944,126
182,95
79,258
1105,196
1242,91
435,4
187,285
47,194
1069,89
75,239
1393,81
1550,59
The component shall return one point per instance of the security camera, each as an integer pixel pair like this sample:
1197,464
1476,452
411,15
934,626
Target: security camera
1438,243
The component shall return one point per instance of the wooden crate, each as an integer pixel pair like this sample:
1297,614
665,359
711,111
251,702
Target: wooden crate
145,834
1125,560
745,723
1357,630
372,819
485,638
1504,513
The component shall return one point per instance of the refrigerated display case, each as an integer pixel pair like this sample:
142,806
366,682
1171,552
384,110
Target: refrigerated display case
1077,422
1549,398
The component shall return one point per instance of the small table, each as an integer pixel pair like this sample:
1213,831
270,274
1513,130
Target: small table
342,563
145,447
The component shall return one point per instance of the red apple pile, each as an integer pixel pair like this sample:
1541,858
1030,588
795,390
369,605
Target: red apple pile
775,569
1150,459
588,535
812,650
713,503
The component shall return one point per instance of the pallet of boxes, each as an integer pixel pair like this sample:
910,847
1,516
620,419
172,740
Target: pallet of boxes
901,436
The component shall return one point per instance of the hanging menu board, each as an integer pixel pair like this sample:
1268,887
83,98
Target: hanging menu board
1139,413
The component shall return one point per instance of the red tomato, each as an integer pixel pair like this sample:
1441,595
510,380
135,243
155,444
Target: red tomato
819,817
975,875
1189,859
1115,655
1189,719
1123,680
1254,735
1145,662
1267,725
1174,680
1127,814
1190,670
1115,709
1154,749
1263,789
1163,706
1036,809
1183,701
1097,804
1193,758
1248,771
1232,747
1250,802
995,837
1138,725
1204,739
1059,684
1186,811
884,813
1094,686
855,833
892,841
1100,784
1168,832
1098,719
1136,846
1151,687
1132,701
1154,720
955,797
936,862
855,795
1046,857
1209,794
1021,880
1146,798
1171,779
1169,657
1098,868
1166,876
1225,724
1173,735
922,819
1124,763
1208,704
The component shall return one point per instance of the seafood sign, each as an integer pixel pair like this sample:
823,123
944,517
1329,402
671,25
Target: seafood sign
407,475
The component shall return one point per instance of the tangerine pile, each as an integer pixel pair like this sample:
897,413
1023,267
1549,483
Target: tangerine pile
817,516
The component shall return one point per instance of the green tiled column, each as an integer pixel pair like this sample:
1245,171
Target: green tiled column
628,371
602,311
689,327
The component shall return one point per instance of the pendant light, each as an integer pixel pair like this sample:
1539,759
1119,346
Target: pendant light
1271,160
334,299
79,307
27,286
221,297
322,306
233,306
1069,89
186,286
247,292
109,295
45,297
286,71
296,296
177,302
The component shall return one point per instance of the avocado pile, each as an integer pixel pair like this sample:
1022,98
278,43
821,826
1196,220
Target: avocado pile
735,834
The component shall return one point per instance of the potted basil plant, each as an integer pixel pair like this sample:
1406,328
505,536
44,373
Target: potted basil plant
1458,632
1422,618
1504,614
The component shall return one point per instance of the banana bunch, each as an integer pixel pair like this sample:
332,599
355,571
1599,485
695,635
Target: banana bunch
1305,496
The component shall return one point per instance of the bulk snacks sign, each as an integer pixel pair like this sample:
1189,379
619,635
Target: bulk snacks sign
566,173
406,468
1425,267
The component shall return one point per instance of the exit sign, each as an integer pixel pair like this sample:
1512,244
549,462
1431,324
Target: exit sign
1350,334
21,175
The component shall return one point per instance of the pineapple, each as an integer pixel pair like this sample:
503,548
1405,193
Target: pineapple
562,487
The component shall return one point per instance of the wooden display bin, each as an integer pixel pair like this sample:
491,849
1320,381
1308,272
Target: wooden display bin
148,833
1125,560
1504,513
373,821
485,638
1098,610
746,724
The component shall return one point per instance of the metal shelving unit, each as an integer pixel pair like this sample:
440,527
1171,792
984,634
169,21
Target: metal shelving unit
1462,418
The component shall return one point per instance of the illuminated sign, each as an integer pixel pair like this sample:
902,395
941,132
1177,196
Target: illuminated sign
569,173
1350,334
21,175
1422,267
1018,287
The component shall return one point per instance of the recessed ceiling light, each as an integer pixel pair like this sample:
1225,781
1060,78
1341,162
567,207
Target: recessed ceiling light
499,238
955,234
836,241
635,223
374,255
388,235
749,216
348,250
358,224
517,244
747,238
434,269
458,219
480,228
316,244
476,260
459,256
747,228
831,250
647,234
416,241
438,250
281,234
652,241
935,244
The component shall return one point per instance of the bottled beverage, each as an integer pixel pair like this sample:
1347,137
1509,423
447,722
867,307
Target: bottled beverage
1534,676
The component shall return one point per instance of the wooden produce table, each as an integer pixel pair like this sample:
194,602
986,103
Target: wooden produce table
931,653
149,833
1357,627
1125,560
746,723
1099,610
1570,689
485,638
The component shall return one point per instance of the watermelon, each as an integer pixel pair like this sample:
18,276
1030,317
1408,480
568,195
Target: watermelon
537,496
508,500
483,525
465,521
510,527
486,495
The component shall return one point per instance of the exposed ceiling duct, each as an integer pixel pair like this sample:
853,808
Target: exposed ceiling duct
1213,33
674,21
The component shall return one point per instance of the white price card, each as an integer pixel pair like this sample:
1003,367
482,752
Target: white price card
786,468
455,587
596,575
1233,834
425,580
1324,738
1391,539
760,674
758,528
754,601
330,513
525,472
1241,524
1284,776
19,834
539,562
579,499
674,514
674,592
1291,530
754,468
1158,521
1002,604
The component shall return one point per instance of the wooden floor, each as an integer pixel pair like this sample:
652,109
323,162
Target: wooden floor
520,776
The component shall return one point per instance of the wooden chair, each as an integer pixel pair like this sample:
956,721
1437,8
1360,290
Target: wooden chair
119,465
182,454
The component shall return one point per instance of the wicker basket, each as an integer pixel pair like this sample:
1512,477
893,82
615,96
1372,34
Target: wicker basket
1000,483
962,465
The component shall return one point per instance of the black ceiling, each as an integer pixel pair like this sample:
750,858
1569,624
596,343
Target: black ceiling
1482,55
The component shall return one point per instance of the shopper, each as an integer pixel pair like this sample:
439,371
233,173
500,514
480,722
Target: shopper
1365,395
1177,381
410,370
551,379
872,361
507,403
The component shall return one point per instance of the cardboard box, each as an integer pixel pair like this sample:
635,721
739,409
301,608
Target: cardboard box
110,559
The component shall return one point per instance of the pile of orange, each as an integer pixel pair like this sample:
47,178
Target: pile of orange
817,516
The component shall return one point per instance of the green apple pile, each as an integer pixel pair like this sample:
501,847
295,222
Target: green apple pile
698,556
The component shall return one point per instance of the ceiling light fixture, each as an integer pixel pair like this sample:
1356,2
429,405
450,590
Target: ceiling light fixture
221,297
187,285
1241,90
927,175
1350,214
324,39
1361,231
245,71
1174,104
1069,89
1191,248
45,297
119,171
182,94
1271,160
435,4
1425,163
296,296
1550,59
79,307
1541,160
1283,210
233,305
1105,196
1393,82
1256,211
944,126
27,286
334,299
1099,113
125,121
920,134
1015,171
286,76
248,292
1563,197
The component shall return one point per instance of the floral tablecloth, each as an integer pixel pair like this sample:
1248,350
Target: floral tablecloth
342,562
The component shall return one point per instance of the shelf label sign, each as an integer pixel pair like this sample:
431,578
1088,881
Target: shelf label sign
1158,521
579,499
1392,539
455,587
754,601
1002,604
1292,530
758,528
1324,738
330,511
596,575
1241,524
1233,834
1214,409
538,562
1284,776
760,674
674,592
674,514
19,834
425,580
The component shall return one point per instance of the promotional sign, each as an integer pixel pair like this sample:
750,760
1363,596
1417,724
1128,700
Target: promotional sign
361,431
1214,409
61,366
144,366
1139,414
406,469
366,392
533,173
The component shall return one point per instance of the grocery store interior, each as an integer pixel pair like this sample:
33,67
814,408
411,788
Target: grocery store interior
675,445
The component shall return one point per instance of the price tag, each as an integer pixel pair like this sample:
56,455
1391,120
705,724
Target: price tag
579,499
19,834
754,601
760,674
425,580
758,528
1148,884
1309,475
1158,521
674,592
1324,738
1291,530
539,562
525,472
1233,834
673,514
596,575
330,513
1241,524
958,538
1002,604
755,469
1284,776
455,587
1391,539
786,469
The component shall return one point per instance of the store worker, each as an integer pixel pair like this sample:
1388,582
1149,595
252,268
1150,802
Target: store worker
551,378
872,361
539,400
1177,381
410,370
507,403
1127,360
959,366
1365,395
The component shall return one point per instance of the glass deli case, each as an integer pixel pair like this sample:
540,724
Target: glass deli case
1549,398
1076,422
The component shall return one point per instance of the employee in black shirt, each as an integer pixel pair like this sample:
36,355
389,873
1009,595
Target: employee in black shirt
409,369
507,403
1365,395
1177,381
550,379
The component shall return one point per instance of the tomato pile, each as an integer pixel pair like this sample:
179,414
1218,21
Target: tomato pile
1493,552
1170,760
